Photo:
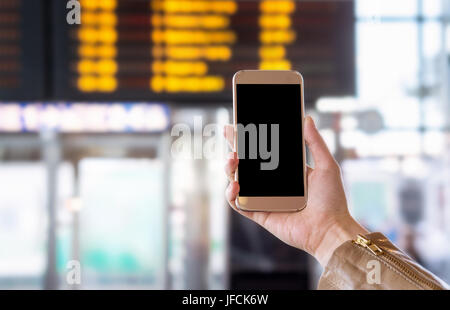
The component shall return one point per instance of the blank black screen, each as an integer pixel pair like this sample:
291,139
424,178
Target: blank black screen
271,104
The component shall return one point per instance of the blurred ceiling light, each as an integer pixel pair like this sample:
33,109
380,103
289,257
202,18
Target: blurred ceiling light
335,105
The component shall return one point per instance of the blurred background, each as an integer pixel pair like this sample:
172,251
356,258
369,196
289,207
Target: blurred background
87,169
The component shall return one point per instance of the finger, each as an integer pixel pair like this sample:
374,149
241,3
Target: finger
231,194
319,150
228,132
309,170
231,166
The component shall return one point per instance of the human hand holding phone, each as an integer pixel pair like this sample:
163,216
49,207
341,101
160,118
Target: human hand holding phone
325,223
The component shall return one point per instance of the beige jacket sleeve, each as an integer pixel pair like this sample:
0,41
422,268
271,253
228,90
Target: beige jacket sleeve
372,262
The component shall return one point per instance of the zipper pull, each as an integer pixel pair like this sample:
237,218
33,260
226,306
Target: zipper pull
368,244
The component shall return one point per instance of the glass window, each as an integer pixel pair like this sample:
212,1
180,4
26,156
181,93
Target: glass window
23,225
432,8
387,70
122,223
447,38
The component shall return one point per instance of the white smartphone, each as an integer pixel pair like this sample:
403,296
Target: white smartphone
268,119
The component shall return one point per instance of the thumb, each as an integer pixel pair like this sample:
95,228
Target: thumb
319,150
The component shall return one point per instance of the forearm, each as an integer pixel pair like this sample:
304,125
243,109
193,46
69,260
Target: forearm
336,235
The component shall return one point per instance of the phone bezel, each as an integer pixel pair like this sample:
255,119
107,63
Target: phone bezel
267,203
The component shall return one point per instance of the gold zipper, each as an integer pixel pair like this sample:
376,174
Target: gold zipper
368,244
393,260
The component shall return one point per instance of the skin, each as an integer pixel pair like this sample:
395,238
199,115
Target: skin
325,223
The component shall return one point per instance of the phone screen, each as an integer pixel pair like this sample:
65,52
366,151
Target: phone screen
270,148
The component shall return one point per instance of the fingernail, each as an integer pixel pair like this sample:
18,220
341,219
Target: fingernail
310,119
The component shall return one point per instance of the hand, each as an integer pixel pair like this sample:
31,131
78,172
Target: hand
325,223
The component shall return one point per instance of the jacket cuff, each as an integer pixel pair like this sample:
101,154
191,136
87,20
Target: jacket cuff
362,266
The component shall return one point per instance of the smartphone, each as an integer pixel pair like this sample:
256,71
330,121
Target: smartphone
268,120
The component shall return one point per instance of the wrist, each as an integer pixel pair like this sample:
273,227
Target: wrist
335,236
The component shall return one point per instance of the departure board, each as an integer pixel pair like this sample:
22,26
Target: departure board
22,72
188,50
